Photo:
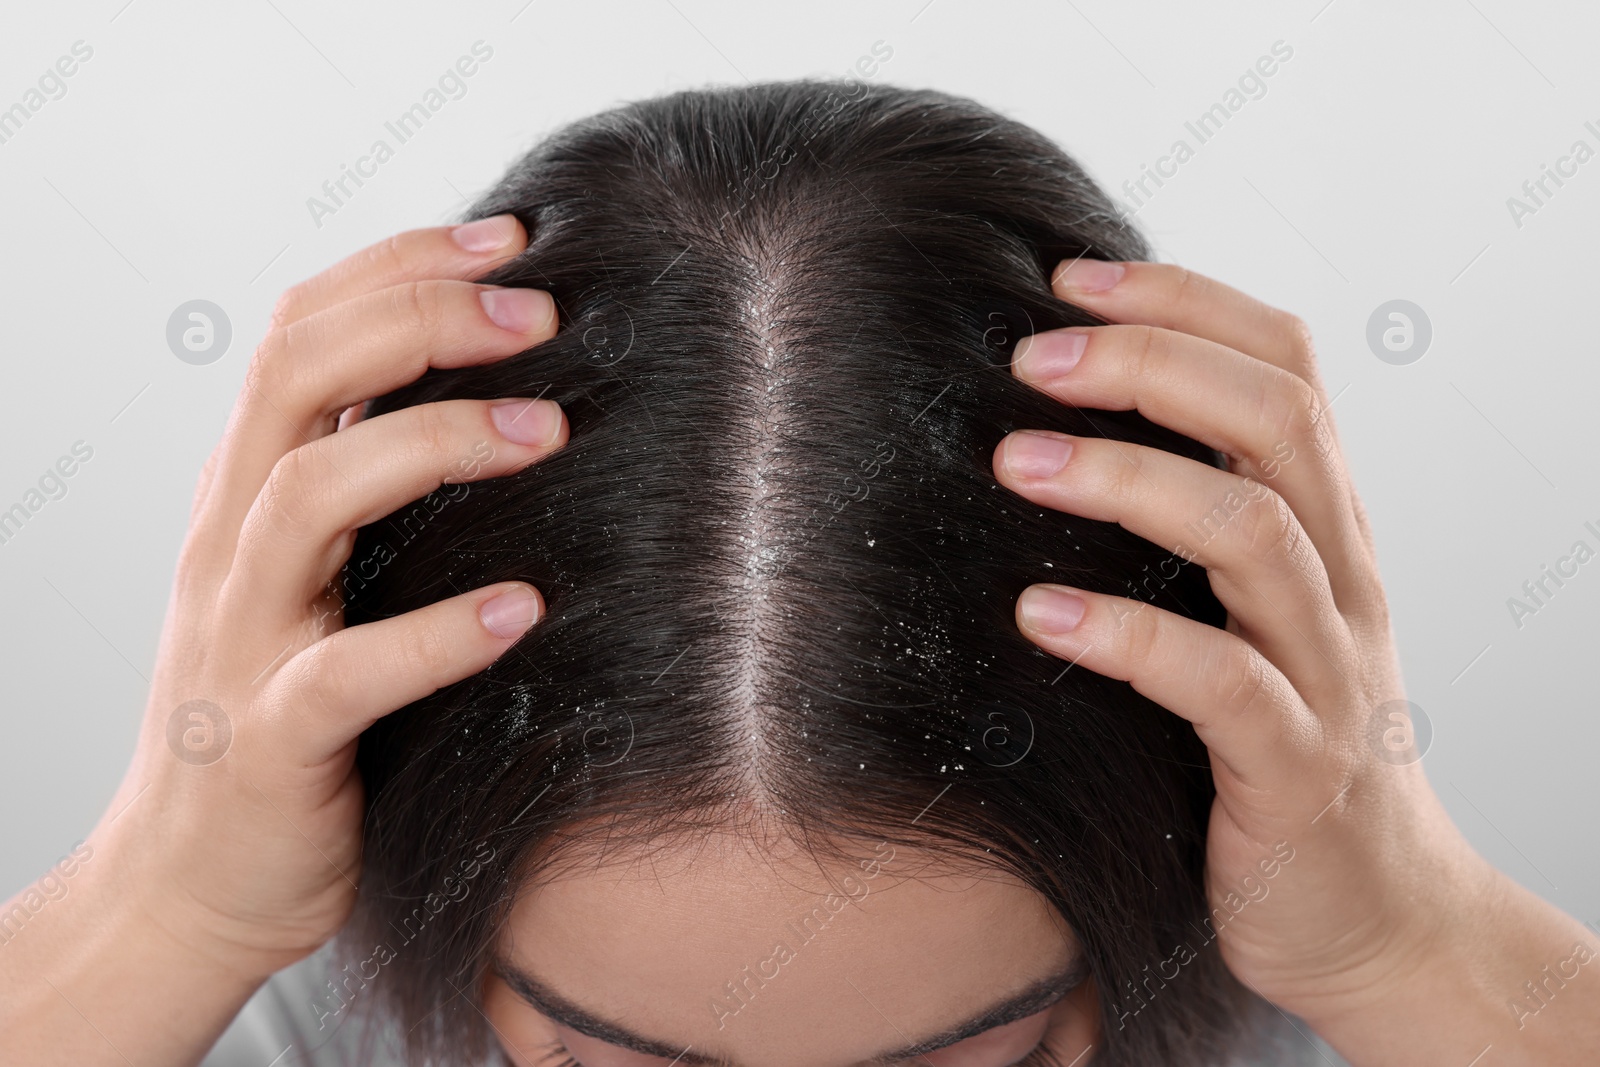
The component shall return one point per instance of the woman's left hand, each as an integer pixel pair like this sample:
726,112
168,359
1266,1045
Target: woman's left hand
1378,924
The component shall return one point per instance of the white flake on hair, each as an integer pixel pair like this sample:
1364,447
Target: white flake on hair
761,525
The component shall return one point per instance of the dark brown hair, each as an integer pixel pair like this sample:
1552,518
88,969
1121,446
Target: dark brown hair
779,572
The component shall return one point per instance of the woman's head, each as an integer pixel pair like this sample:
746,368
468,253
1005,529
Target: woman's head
777,778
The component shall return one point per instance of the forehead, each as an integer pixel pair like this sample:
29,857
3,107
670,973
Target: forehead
745,950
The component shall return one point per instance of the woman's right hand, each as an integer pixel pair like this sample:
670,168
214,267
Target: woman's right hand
235,837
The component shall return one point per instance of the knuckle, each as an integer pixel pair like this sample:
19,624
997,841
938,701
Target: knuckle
1193,291
286,308
1296,334
269,356
264,377
1294,545
1241,677
1142,640
1303,408
285,497
1370,615
1126,474
395,255
1149,351
423,304
427,648
321,679
277,363
1188,287
1295,413
1268,526
434,428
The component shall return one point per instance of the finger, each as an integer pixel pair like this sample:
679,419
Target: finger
1242,707
1176,298
303,524
1258,559
343,683
1263,416
305,374
461,253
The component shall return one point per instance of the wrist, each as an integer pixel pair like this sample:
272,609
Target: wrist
1429,959
91,977
146,892
1462,976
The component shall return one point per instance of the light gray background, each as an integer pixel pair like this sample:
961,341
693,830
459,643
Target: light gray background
1377,166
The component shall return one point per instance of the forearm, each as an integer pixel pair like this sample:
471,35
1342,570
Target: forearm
94,978
1509,981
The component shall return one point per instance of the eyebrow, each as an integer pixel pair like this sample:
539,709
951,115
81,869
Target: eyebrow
1030,1001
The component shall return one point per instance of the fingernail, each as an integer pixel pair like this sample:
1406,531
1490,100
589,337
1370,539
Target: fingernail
1051,609
485,235
1034,454
518,310
527,422
1048,355
510,613
1090,275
